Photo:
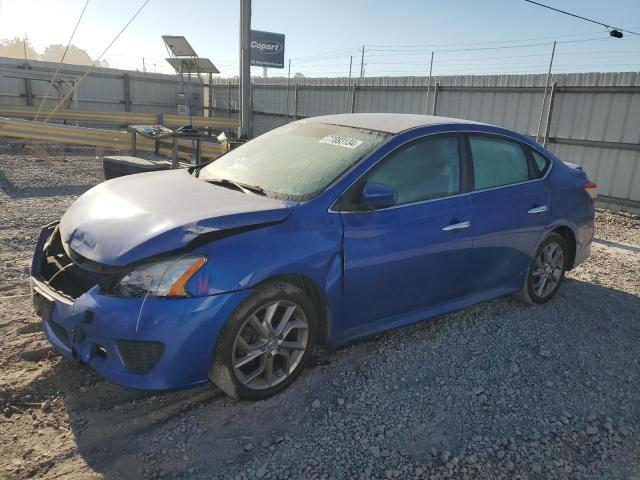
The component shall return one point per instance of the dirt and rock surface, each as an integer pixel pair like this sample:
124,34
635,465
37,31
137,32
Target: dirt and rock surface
498,390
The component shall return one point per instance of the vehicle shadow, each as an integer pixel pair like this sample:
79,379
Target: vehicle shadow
122,433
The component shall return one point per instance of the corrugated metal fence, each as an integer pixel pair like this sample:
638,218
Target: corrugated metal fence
105,89
590,119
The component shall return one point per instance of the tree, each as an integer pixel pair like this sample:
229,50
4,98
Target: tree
298,75
75,55
16,49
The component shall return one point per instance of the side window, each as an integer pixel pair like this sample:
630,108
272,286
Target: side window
424,169
497,162
542,163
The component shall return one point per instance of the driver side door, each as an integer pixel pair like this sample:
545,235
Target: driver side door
412,255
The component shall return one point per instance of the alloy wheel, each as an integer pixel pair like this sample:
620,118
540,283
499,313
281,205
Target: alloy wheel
547,269
270,345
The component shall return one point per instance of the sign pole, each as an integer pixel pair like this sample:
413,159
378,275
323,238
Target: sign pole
245,69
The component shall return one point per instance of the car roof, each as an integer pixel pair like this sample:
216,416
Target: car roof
387,122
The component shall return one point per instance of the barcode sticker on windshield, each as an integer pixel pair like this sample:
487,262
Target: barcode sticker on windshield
341,141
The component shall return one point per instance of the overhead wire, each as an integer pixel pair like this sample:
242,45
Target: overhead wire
64,54
581,17
86,73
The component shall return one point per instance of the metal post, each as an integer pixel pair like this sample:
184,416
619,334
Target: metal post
286,108
133,148
229,98
174,153
75,103
353,97
549,114
426,106
250,131
435,98
362,64
544,96
27,83
295,102
127,93
245,69
210,106
346,100
210,100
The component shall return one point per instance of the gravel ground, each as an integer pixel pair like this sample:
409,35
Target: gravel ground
498,390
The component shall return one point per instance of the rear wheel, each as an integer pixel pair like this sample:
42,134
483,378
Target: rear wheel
546,271
266,343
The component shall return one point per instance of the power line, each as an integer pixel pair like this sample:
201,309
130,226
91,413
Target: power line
77,83
580,17
547,37
55,74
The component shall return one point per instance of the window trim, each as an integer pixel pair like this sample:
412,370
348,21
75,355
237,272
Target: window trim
523,147
463,133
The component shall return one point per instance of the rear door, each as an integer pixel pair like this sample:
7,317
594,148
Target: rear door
412,255
510,208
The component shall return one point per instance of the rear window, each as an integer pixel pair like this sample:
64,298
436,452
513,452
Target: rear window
542,163
497,162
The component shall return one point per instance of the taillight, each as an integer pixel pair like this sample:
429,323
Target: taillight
592,191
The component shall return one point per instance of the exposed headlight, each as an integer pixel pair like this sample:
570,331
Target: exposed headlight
167,278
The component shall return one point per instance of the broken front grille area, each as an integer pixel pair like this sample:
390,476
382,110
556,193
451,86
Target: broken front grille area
139,356
68,278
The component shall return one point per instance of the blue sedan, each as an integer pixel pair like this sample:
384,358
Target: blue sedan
320,232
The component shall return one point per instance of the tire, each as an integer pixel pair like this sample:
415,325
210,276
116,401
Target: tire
535,290
256,338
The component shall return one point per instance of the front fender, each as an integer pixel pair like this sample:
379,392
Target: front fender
308,243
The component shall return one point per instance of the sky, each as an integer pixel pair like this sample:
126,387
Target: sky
468,36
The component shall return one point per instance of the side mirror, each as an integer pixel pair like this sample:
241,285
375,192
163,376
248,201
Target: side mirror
379,195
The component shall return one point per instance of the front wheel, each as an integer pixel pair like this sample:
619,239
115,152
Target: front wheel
546,271
266,343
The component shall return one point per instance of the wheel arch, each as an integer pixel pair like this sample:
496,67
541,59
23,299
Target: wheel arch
570,239
317,296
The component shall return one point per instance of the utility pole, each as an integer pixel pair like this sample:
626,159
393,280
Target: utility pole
245,69
546,87
346,100
144,67
362,64
426,107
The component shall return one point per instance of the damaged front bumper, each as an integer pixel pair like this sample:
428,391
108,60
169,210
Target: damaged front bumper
145,343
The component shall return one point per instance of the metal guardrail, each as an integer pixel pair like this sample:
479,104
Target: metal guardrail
119,118
113,139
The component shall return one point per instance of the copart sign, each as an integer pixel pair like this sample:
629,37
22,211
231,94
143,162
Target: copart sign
267,49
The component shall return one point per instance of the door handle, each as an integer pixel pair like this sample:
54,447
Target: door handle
535,210
456,226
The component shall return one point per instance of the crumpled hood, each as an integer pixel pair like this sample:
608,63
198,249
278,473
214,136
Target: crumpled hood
131,218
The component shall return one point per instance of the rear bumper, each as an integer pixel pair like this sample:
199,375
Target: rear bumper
177,336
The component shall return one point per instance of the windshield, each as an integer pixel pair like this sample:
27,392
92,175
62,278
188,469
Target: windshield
296,161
